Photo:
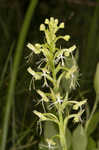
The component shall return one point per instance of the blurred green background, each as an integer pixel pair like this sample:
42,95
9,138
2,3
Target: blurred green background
19,24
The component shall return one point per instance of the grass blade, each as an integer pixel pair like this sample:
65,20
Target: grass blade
17,59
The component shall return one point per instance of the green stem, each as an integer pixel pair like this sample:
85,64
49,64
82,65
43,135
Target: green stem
93,111
6,64
62,132
17,59
61,121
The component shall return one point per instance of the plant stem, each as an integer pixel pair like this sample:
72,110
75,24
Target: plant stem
93,111
62,132
61,124
17,59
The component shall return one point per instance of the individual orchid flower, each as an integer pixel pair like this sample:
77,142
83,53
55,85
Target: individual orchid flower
45,72
51,145
69,50
70,72
36,75
35,48
77,118
59,101
59,57
43,99
73,81
79,104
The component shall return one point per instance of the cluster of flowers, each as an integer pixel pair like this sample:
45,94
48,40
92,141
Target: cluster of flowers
53,68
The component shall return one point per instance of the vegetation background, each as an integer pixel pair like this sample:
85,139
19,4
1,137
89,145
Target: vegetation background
19,24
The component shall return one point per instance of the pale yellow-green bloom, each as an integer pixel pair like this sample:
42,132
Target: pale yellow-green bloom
42,27
42,94
61,25
79,104
34,74
46,21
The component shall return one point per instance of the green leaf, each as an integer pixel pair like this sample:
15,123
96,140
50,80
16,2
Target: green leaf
93,124
51,132
96,80
15,69
98,143
91,144
79,139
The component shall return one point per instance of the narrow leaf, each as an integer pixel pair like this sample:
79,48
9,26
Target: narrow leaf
93,124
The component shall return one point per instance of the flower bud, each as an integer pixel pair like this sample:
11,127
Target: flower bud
75,107
42,27
71,49
46,21
67,37
30,46
37,45
61,25
76,119
56,21
52,19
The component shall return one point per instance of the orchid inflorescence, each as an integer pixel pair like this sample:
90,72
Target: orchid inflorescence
52,69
